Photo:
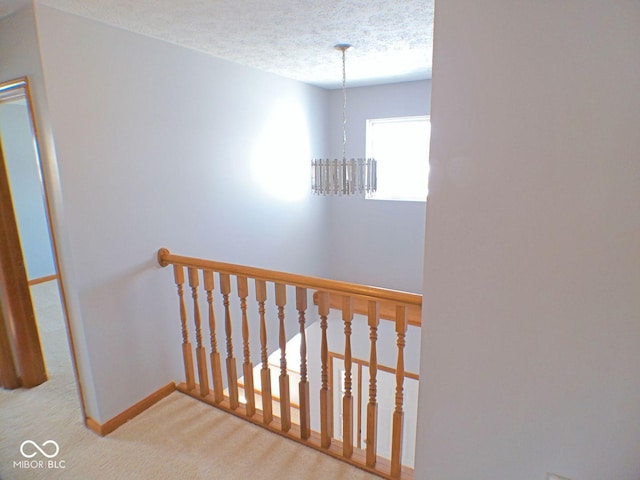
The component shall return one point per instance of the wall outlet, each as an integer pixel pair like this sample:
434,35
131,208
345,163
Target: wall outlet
553,476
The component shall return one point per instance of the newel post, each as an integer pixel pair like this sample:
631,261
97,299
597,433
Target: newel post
163,253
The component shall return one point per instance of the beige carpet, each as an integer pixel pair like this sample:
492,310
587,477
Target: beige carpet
178,438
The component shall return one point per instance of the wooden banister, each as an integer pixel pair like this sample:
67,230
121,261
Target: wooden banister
187,355
280,412
285,403
265,372
398,414
326,420
247,366
201,354
387,309
216,371
165,257
303,388
373,320
232,375
347,400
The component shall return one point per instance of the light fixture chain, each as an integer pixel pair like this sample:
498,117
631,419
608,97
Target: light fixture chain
344,105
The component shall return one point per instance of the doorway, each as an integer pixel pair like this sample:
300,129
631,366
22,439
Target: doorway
32,306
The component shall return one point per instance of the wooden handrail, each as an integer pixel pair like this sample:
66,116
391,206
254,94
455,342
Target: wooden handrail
387,310
165,258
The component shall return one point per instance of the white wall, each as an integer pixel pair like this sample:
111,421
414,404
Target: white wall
19,57
158,146
375,242
26,189
532,262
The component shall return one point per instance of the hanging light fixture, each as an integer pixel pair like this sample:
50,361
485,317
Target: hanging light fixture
343,177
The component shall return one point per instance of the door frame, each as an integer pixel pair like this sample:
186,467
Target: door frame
8,90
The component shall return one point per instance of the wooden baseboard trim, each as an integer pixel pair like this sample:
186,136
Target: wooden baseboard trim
131,412
92,425
36,281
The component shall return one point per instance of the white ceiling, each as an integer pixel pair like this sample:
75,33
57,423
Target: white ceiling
392,39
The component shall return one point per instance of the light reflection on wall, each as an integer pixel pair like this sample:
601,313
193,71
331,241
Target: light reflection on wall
282,157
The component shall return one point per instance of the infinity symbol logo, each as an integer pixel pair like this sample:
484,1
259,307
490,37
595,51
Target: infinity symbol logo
35,445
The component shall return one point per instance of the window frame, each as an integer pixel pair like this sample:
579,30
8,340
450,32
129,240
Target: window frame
368,148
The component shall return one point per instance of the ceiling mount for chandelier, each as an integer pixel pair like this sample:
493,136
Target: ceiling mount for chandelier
343,177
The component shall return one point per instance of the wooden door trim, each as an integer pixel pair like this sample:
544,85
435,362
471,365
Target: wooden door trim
46,149
20,319
8,372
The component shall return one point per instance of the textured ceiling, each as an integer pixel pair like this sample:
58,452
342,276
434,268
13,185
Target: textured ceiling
392,39
7,7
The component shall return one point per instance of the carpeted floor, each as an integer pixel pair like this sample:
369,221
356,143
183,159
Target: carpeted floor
178,438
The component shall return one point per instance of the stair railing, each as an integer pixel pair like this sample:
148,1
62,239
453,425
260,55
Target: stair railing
204,380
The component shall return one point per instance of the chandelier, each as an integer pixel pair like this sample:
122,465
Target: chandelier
343,177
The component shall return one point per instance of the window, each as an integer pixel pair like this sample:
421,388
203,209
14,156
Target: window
401,148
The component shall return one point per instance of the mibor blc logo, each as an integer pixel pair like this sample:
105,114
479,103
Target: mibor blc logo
33,455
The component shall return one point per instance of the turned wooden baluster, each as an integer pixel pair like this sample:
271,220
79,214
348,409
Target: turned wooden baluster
247,366
305,409
326,421
347,399
372,406
359,409
232,374
187,355
396,439
216,371
265,372
285,403
201,354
